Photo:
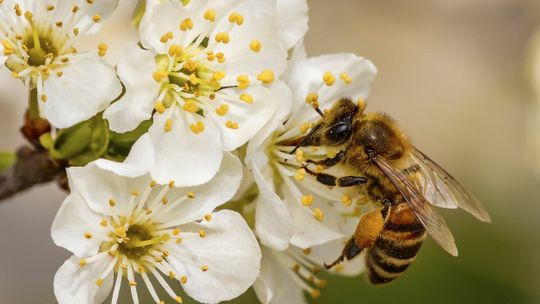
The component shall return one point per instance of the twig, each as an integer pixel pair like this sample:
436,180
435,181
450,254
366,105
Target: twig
33,167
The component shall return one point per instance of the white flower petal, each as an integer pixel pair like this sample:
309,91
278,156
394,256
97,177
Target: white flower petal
293,20
250,117
273,223
231,253
97,186
135,69
166,17
220,189
283,95
87,87
307,77
187,158
260,24
138,162
76,284
72,221
103,8
275,284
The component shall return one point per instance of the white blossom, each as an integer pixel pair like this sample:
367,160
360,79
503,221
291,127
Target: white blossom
38,46
132,228
292,206
206,77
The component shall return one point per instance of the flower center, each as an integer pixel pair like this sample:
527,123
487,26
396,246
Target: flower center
138,240
39,49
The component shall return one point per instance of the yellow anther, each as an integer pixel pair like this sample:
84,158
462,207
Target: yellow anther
231,125
88,235
59,24
50,8
221,57
208,217
266,76
176,232
175,50
346,78
219,75
222,110
76,31
96,18
191,194
246,98
202,233
300,174
178,299
152,184
160,75
28,16
210,56
171,184
236,18
120,232
135,192
210,15
315,293
74,9
168,125
305,127
197,127
243,81
329,78
99,282
307,251
166,37
255,46
103,223
178,241
186,24
361,102
82,262
318,214
102,49
190,106
223,37
312,98
112,202
43,98
140,270
183,279
346,200
204,268
319,168
132,283
307,200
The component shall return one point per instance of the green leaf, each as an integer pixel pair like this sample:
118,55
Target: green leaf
7,159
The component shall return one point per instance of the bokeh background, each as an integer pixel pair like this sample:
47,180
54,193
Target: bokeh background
456,74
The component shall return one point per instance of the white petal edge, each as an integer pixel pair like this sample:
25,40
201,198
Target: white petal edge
293,20
231,253
88,85
138,162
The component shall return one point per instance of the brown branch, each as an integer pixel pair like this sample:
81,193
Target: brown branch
33,167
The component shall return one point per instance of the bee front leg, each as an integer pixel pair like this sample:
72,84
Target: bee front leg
329,162
344,181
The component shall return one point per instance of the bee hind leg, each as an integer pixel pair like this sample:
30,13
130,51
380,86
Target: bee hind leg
350,251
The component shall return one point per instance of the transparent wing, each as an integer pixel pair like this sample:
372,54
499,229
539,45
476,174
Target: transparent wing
432,221
443,190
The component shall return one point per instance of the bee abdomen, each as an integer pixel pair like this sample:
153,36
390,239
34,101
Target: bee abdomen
393,252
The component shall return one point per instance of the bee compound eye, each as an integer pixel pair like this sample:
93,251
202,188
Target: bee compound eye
340,130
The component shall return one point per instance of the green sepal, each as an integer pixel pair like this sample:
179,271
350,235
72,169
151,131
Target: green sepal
120,143
7,159
98,142
71,141
138,13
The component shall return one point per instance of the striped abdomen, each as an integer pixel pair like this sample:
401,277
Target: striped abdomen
396,247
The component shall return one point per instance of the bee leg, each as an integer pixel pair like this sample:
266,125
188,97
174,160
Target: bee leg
329,162
350,251
344,181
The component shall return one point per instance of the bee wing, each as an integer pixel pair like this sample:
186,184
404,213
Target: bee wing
445,191
432,221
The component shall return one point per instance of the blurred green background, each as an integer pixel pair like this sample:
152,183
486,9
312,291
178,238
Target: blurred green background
454,74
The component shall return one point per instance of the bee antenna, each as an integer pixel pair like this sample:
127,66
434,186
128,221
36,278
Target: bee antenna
305,139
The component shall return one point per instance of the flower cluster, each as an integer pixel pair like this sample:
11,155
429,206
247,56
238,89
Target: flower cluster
181,158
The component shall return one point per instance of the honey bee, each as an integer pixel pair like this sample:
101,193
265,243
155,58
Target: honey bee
386,168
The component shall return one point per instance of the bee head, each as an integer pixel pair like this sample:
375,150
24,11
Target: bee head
378,134
336,126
